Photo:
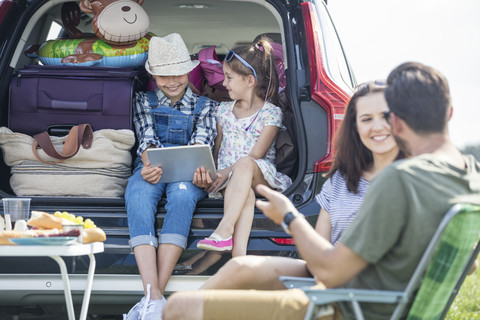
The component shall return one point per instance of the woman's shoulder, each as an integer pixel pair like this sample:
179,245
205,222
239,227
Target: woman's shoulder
338,183
338,178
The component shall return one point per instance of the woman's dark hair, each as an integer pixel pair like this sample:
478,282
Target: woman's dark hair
352,158
260,56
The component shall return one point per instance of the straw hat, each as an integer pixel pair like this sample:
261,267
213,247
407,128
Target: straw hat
168,56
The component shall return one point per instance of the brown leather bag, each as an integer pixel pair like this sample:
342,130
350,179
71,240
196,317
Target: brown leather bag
81,135
82,163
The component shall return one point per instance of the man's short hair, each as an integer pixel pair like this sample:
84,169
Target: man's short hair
420,96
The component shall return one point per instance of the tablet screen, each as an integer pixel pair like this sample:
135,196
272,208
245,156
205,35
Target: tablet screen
179,163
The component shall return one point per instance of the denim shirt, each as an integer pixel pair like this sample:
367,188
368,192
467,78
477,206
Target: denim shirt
205,125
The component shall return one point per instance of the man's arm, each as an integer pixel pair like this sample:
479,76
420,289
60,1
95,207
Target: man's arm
331,265
323,226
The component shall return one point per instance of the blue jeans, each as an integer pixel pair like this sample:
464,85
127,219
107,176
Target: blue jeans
141,200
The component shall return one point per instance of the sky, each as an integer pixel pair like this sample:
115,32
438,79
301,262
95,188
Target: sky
378,35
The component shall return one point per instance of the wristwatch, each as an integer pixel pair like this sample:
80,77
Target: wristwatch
287,219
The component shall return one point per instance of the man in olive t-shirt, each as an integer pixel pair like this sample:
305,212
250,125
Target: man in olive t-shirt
399,215
402,209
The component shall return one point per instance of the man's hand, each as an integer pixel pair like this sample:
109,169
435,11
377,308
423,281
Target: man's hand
277,205
151,174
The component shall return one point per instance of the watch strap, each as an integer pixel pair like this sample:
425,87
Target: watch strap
287,220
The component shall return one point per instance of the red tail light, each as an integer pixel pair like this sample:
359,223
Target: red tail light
324,91
284,241
4,7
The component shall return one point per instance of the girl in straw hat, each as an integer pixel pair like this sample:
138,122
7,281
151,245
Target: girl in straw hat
245,144
169,64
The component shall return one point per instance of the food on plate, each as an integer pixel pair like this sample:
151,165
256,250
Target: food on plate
75,219
69,233
93,235
5,235
41,220
44,220
20,225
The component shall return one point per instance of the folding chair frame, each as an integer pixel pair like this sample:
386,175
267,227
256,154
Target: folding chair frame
401,298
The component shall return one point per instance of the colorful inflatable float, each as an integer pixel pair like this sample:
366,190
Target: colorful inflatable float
53,52
121,36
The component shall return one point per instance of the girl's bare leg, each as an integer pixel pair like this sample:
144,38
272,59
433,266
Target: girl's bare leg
243,226
209,259
245,175
146,257
193,259
168,255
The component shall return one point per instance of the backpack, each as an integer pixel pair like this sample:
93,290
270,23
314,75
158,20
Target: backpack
210,69
208,76
279,65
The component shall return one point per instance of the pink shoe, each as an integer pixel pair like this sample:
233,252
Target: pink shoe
215,243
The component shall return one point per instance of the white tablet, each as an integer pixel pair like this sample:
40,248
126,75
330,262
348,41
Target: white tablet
179,163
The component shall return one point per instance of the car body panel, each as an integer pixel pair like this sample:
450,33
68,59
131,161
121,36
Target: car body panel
318,85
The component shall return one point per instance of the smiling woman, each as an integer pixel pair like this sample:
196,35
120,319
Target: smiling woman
365,147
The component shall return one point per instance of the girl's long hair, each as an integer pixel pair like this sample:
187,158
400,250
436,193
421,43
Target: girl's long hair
352,158
260,56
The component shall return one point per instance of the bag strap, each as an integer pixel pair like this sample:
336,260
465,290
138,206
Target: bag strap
78,135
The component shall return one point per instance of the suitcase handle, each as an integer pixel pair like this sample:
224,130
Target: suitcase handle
60,130
78,135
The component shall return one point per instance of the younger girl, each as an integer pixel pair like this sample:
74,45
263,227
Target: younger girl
245,144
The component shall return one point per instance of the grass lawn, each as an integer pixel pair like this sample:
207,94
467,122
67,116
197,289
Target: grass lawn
467,303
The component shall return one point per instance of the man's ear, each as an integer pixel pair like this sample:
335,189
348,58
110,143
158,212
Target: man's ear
398,125
451,113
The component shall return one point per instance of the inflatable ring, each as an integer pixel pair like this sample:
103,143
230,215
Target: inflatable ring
53,51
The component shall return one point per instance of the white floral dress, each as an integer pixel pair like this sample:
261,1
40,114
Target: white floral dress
241,135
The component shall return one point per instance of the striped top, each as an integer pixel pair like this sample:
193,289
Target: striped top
341,204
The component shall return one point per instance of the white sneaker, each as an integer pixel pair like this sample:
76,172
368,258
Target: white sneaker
152,309
134,313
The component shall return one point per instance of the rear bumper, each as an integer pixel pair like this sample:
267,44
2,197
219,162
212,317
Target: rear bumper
23,289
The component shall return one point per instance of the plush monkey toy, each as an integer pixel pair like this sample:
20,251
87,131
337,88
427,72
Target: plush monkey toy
121,30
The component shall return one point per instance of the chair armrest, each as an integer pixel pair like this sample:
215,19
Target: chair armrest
319,296
297,282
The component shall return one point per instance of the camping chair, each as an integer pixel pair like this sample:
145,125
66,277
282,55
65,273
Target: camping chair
435,282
